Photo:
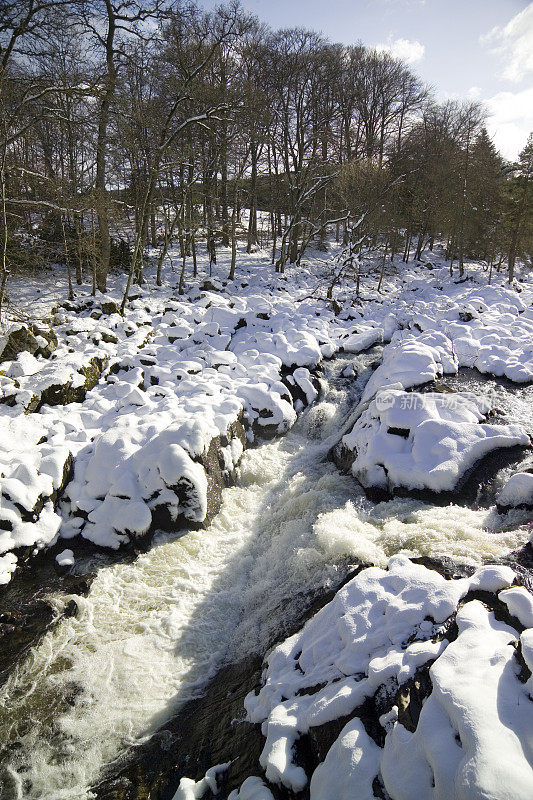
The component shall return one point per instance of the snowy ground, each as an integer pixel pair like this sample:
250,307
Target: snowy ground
177,371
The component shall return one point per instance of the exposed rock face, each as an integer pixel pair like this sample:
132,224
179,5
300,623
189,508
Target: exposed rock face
211,285
196,739
342,457
55,384
50,338
110,307
207,731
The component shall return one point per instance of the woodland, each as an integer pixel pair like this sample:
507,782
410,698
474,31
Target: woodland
128,126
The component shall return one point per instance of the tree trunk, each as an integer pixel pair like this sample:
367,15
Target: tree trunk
231,275
102,265
252,221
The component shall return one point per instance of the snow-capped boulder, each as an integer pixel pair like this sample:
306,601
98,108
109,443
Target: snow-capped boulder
517,492
423,441
303,386
354,671
173,480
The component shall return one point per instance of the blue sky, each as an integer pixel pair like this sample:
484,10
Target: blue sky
478,49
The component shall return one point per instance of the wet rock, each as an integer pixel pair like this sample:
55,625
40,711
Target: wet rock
298,396
206,731
342,457
25,611
198,737
212,729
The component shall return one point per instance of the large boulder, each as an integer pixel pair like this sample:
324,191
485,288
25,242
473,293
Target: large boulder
423,445
122,492
517,492
32,339
75,387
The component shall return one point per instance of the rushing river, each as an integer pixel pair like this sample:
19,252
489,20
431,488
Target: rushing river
152,632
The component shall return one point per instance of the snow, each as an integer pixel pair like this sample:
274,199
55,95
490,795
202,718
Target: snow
520,604
517,491
179,370
374,630
302,378
423,441
199,361
362,340
350,767
65,558
411,360
191,790
473,738
8,565
252,788
179,374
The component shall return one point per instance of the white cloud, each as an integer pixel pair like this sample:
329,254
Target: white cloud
474,93
514,43
510,120
406,50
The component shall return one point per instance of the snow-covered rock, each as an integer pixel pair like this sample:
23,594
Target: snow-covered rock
518,491
423,441
252,788
65,558
20,339
249,348
411,360
194,790
473,735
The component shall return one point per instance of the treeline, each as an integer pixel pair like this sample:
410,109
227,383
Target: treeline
135,123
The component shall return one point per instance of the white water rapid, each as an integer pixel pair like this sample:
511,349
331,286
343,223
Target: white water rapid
152,632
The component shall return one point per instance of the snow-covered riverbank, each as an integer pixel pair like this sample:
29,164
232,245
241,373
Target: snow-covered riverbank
177,371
